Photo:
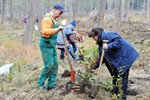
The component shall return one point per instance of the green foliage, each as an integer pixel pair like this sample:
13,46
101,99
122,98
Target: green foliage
86,74
90,54
89,75
119,85
106,85
114,97
12,73
10,77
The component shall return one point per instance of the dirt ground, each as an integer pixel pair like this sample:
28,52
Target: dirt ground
138,34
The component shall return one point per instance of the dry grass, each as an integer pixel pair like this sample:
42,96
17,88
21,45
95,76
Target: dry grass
21,81
24,57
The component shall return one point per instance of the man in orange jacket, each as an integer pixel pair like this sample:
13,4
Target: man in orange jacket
49,30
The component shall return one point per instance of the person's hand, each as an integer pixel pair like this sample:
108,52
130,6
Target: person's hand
82,38
60,28
105,46
75,32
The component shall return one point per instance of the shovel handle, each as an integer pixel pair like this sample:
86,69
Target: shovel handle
65,45
68,58
102,56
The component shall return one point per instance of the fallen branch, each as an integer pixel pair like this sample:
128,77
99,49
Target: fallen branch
146,77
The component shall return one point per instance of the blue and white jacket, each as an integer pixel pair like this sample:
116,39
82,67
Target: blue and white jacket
68,30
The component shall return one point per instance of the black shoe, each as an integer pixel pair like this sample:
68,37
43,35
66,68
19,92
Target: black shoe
50,88
123,97
62,58
81,57
66,74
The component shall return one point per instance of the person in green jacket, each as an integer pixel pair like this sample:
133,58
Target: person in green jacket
49,30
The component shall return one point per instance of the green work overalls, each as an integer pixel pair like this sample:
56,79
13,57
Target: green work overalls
50,60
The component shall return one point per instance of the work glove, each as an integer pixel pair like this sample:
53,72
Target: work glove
75,32
60,28
81,38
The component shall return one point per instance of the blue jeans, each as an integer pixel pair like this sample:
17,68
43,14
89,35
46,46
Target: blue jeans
74,46
72,42
70,50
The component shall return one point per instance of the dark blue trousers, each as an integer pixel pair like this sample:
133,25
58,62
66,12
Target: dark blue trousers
116,74
74,46
72,42
70,50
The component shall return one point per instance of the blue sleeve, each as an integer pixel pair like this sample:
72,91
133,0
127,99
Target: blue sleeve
114,40
115,43
69,31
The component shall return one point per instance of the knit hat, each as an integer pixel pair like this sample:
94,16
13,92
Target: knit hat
73,23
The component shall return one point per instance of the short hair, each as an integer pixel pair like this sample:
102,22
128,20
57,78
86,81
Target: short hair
95,32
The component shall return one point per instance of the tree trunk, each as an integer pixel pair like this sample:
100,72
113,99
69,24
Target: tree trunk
3,11
11,11
126,10
132,6
65,4
94,5
102,13
39,17
71,9
147,8
74,9
110,9
25,8
118,9
30,24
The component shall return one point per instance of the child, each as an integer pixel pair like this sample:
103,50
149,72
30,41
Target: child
68,30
